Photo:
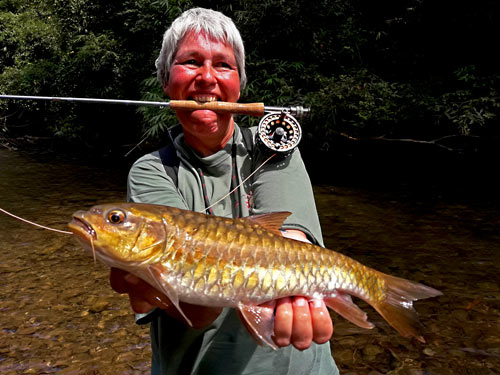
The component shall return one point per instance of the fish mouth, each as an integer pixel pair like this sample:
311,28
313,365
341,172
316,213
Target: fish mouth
79,225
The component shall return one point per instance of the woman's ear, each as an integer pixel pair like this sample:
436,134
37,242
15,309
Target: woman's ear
165,88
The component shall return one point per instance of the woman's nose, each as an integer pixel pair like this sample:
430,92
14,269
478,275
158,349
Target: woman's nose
206,73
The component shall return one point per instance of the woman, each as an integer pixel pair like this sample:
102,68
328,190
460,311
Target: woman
202,59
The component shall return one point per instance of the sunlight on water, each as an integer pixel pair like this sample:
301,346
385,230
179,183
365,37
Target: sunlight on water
59,315
449,244
57,311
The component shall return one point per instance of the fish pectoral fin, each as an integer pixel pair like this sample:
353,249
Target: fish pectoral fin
156,273
272,221
259,323
342,304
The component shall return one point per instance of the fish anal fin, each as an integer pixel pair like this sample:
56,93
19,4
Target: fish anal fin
259,323
156,273
397,308
272,221
342,304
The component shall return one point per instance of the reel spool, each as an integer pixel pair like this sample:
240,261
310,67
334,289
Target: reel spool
279,132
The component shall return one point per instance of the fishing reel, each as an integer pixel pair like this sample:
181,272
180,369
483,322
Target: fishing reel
280,132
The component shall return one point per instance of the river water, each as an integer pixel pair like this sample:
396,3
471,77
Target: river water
59,315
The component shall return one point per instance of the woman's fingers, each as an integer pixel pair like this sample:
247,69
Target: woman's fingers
117,280
283,322
143,297
302,331
299,322
321,321
293,323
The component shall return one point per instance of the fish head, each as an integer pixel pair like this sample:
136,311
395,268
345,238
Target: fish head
121,235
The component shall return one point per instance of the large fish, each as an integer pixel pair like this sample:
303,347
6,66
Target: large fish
240,263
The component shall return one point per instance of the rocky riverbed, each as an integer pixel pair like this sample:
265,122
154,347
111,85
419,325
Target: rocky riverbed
59,315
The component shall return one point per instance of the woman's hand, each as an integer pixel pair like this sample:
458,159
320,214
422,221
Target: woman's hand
300,322
143,298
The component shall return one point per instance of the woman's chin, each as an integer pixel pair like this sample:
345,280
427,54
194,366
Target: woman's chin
198,119
205,122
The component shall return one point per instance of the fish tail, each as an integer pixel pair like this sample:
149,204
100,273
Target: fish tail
397,306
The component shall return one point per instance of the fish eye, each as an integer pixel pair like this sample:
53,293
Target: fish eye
116,216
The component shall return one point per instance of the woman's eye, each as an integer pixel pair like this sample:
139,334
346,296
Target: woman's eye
225,65
190,62
116,217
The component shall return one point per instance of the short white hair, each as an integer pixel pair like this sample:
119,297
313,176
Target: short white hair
215,24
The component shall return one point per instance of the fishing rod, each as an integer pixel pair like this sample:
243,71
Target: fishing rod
279,131
250,109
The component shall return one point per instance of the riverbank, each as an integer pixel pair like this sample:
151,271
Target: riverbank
463,165
466,167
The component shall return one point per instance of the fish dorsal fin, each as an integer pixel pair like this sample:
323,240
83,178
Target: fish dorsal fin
272,221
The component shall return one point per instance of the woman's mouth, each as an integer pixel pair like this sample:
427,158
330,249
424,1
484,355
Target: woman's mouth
204,98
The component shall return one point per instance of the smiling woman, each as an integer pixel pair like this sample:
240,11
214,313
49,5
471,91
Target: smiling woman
202,59
205,70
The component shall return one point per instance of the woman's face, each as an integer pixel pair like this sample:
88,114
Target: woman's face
204,70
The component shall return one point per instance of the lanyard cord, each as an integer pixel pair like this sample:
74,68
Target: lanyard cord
235,198
208,208
232,189
242,182
234,179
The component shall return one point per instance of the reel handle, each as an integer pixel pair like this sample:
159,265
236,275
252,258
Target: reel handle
250,109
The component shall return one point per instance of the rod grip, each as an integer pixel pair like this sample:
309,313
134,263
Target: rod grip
250,109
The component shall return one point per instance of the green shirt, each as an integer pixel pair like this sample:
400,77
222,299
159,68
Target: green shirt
225,347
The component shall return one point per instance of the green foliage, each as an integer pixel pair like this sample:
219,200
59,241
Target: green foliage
157,120
24,39
272,83
95,66
474,105
70,131
359,104
407,68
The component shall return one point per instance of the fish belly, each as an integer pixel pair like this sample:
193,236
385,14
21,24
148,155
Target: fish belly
223,264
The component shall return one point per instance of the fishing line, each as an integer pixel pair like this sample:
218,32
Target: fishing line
35,224
137,145
67,232
93,249
242,182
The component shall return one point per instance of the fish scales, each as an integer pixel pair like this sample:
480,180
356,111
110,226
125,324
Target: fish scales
242,249
240,263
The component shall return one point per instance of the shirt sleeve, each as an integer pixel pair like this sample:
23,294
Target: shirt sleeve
149,183
284,185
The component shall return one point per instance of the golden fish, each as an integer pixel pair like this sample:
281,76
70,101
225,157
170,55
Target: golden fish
240,263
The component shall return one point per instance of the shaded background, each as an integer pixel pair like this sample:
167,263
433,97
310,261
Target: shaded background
417,70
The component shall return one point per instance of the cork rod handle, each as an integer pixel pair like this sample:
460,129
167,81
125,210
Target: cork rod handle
250,109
